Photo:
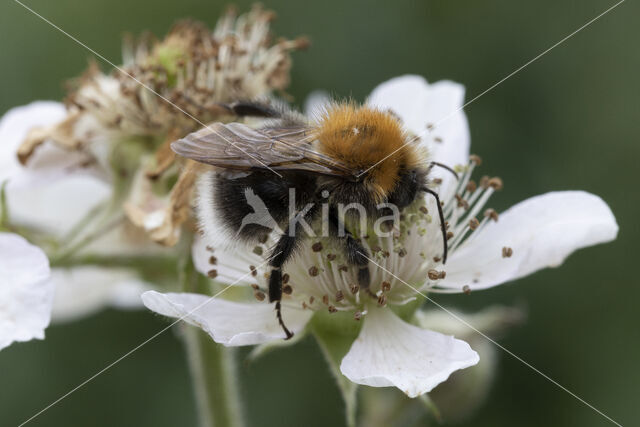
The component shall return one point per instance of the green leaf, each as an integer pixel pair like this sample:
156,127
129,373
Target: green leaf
335,333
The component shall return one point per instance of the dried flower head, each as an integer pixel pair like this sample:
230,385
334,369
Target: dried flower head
124,121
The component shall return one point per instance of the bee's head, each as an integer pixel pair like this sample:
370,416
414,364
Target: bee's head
374,145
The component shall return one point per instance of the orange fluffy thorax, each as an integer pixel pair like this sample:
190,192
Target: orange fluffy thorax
361,137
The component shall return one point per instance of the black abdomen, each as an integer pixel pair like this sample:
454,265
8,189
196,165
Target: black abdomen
250,205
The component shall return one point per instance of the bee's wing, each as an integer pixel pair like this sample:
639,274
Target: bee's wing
237,146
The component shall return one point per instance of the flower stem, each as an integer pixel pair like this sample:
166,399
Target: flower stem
213,374
212,366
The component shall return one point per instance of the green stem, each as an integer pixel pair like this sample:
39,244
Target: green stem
70,251
213,373
212,366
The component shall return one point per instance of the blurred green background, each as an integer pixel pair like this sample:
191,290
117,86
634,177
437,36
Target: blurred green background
568,121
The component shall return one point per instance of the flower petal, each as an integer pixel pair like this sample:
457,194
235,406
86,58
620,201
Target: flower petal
231,263
542,231
48,161
57,206
229,323
390,352
433,111
83,290
49,194
15,125
26,291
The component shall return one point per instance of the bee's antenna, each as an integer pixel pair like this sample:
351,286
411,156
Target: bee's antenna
443,227
445,167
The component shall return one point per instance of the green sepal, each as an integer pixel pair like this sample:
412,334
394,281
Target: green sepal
407,311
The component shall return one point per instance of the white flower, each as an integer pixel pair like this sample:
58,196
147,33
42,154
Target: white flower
73,171
53,192
536,233
26,290
50,196
122,123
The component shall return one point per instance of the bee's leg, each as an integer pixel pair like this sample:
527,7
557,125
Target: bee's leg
356,254
283,250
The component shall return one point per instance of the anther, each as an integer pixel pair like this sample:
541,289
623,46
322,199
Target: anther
437,139
424,210
259,295
449,235
255,287
462,203
484,182
212,274
507,252
213,260
285,278
331,257
402,252
254,272
263,238
386,286
343,268
491,213
496,183
354,289
357,315
304,305
433,274
466,289
332,309
339,296
472,186
313,271
325,299
437,259
287,289
210,249
316,247
311,299
437,181
258,250
473,223
475,159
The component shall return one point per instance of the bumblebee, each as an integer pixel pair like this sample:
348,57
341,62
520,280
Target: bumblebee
350,154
